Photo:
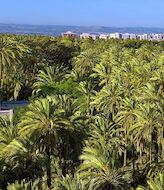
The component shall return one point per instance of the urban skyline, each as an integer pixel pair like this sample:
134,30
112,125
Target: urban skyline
116,35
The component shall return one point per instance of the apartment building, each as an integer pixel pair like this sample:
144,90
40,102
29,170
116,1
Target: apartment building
85,35
104,36
69,34
115,35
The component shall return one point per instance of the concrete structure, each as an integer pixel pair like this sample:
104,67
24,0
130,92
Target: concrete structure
13,104
143,37
94,36
125,36
69,34
157,37
7,107
85,35
133,36
6,112
115,35
104,36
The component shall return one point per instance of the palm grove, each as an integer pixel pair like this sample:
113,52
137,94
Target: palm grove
95,118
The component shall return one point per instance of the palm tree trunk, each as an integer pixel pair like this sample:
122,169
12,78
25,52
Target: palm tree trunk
88,105
155,145
125,151
48,168
40,184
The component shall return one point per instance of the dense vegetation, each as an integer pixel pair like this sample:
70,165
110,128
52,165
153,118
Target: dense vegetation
95,119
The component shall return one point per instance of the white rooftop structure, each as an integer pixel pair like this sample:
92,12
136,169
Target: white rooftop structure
104,36
6,112
133,36
115,35
126,36
85,35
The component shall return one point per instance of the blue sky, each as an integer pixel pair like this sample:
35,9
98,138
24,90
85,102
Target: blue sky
148,13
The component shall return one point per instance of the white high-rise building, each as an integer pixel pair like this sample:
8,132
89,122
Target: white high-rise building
115,35
143,37
104,36
126,36
85,35
133,36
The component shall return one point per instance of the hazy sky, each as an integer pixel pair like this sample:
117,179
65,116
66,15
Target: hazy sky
149,13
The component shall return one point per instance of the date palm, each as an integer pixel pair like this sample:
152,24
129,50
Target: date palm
126,119
11,53
102,72
108,100
155,183
44,118
47,78
87,90
84,62
99,157
146,129
74,183
8,132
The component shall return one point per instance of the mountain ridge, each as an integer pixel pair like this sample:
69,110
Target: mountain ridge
56,30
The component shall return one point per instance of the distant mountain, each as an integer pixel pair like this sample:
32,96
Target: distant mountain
57,30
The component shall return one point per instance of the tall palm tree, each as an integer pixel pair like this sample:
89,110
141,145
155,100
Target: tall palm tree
87,90
146,129
126,119
100,156
44,119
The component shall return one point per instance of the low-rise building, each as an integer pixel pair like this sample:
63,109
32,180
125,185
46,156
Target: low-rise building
69,34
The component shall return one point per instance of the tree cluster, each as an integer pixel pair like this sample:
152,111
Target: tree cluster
95,119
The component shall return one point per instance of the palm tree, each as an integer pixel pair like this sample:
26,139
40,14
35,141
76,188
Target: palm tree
87,90
126,119
108,100
46,80
146,129
102,71
8,132
84,62
24,185
72,137
44,119
73,183
11,53
155,183
100,156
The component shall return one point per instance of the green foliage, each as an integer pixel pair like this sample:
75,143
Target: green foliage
95,118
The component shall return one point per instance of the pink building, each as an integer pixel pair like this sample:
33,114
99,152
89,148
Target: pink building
69,34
